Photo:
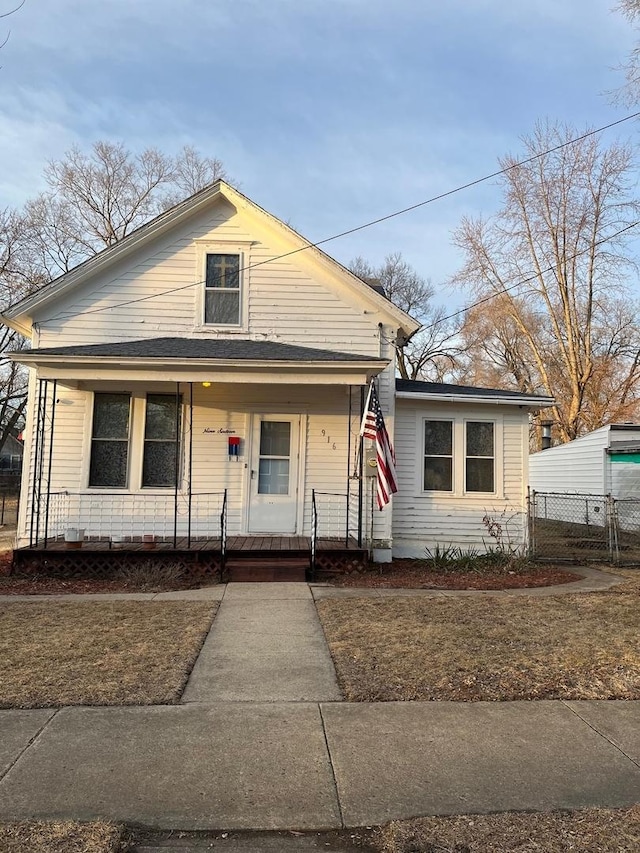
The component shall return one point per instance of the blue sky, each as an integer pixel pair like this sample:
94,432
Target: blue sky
328,113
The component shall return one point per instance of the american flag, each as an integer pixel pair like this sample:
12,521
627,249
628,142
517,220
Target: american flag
373,427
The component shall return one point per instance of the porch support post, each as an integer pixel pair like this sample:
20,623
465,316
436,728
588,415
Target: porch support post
349,425
190,478
177,478
36,491
360,472
53,420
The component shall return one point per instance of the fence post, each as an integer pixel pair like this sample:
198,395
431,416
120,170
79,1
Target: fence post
614,550
531,503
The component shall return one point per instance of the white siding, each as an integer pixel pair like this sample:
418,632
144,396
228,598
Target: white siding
577,467
422,519
291,300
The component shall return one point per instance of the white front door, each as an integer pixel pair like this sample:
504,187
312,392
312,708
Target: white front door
273,502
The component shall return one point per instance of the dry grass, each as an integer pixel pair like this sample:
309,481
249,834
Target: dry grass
106,653
486,648
588,831
60,837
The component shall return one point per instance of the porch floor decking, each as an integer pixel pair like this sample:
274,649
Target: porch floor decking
235,544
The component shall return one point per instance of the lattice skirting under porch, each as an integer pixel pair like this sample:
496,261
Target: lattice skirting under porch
103,565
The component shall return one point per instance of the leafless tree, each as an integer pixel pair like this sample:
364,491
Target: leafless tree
94,200
431,353
97,198
556,259
629,93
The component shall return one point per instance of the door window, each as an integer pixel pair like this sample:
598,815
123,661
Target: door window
274,463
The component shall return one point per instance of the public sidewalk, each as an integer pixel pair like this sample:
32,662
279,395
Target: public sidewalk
262,741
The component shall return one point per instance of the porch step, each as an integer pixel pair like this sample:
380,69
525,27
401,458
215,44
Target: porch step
267,569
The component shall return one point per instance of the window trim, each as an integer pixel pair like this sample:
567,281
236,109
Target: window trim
459,419
239,248
452,490
478,420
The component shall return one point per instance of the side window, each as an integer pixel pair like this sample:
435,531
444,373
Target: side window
438,456
222,290
110,440
480,457
161,433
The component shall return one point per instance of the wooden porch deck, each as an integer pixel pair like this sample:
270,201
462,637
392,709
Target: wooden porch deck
235,544
248,558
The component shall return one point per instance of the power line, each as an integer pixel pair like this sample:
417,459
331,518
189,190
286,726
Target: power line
528,280
357,228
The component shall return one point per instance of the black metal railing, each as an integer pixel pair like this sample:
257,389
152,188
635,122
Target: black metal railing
314,534
223,532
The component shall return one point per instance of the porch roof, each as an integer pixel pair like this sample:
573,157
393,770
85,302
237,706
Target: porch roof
418,390
195,359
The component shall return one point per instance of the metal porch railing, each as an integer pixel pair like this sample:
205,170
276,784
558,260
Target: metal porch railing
118,516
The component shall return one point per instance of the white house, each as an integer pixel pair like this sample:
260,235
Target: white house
204,378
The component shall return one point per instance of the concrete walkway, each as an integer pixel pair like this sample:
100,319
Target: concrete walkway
266,645
262,741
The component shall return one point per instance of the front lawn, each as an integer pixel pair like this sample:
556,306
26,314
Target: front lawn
586,831
98,653
60,837
487,648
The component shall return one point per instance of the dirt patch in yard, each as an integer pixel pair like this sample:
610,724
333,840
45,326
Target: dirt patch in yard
419,574
487,648
98,653
586,831
60,837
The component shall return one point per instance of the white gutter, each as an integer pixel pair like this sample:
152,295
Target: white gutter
161,362
532,402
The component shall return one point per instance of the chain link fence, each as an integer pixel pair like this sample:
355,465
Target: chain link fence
584,527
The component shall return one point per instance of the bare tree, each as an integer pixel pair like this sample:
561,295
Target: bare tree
629,93
555,257
431,353
94,200
6,15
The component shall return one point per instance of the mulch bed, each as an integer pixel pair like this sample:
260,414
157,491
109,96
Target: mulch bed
417,574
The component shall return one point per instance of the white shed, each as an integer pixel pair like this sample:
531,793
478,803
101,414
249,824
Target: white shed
606,461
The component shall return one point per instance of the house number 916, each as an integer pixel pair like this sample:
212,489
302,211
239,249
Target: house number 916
328,437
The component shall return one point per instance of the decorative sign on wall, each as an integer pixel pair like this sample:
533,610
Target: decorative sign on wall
216,431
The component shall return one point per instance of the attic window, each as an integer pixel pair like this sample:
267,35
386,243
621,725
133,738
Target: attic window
222,290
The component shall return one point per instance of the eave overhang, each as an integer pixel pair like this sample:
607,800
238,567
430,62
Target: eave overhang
528,402
277,372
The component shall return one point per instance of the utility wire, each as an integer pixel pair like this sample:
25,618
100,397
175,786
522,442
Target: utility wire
357,228
528,280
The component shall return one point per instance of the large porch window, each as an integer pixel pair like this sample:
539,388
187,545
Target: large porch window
161,430
110,440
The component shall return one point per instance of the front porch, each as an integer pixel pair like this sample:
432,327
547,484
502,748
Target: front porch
236,558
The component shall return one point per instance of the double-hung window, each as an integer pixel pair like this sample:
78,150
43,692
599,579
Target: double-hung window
438,456
222,303
480,457
161,441
110,440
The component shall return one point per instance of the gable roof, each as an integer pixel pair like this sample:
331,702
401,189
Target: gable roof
415,389
19,316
